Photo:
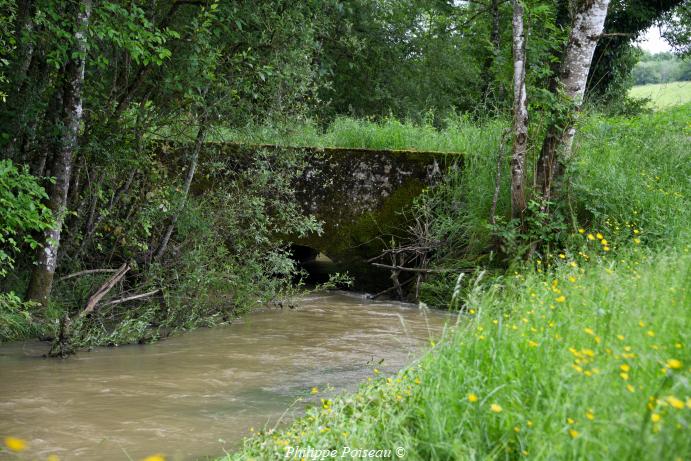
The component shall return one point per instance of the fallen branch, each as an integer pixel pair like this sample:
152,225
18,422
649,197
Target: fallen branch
424,271
86,272
104,289
132,298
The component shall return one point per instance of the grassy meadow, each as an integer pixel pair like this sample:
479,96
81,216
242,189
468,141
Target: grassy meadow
663,94
583,354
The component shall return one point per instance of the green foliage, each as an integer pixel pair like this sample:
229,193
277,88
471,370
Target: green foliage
227,253
22,215
16,318
21,212
661,68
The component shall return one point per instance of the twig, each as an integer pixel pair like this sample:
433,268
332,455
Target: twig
86,272
415,269
132,298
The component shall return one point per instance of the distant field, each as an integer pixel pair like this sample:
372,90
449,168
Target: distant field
664,94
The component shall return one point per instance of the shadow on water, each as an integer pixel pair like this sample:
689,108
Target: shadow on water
197,394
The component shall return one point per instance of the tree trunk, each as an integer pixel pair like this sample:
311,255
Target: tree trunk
520,115
42,277
587,26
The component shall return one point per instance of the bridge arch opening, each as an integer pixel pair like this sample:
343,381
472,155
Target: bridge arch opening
317,266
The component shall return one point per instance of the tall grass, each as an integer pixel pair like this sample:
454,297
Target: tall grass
590,362
389,133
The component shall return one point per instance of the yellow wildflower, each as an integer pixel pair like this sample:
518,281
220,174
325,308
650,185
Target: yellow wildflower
630,388
314,390
529,423
655,417
675,402
637,241
624,376
156,457
650,333
15,444
599,236
603,242
472,398
589,331
591,237
570,420
495,408
674,364
532,344
625,368
561,299
620,337
581,231
590,414
574,433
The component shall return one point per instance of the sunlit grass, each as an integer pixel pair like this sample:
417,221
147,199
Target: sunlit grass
664,94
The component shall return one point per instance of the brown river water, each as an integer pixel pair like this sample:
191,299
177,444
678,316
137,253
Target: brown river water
198,394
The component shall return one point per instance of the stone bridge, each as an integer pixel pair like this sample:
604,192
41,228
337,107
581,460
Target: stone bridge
360,196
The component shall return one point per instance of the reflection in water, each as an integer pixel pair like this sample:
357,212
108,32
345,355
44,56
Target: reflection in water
196,394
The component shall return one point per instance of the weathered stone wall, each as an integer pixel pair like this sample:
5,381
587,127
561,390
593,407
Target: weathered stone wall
360,195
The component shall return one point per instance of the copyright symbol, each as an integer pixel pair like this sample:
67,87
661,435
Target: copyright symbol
400,452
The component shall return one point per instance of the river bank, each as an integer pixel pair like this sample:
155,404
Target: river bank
590,361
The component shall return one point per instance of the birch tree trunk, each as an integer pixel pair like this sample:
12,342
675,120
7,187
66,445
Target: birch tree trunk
42,276
588,23
520,115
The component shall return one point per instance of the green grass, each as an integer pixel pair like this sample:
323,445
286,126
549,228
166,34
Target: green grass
588,359
664,94
555,369
348,132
